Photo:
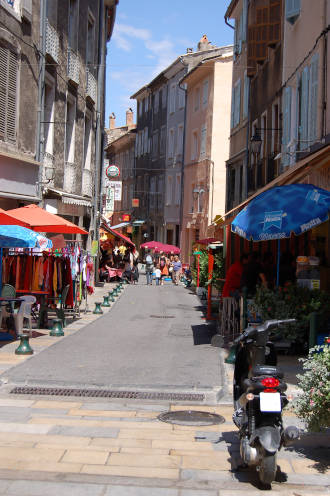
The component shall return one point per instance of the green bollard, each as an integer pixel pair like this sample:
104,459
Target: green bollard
24,347
111,297
115,292
106,302
57,329
98,309
231,358
125,281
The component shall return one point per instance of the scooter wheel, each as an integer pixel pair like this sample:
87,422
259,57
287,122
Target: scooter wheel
267,468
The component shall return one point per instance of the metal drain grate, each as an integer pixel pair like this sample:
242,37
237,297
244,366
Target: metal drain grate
106,393
191,417
162,316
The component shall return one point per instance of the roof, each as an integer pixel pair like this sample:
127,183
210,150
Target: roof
230,8
213,58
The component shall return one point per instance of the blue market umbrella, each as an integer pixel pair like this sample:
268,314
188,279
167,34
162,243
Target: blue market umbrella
281,211
12,236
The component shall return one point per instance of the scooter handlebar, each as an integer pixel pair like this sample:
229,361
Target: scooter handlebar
261,328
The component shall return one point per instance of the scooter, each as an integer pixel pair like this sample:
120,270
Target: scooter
259,397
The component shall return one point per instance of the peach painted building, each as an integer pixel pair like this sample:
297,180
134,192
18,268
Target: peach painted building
206,147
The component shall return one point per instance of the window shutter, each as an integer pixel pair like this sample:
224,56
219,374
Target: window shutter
292,10
286,124
205,92
261,34
232,107
246,96
251,52
274,35
244,19
314,82
8,94
304,109
237,109
203,141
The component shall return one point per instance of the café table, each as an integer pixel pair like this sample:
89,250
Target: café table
43,312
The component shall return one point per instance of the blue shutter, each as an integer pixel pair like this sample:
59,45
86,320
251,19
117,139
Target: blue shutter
314,83
232,107
292,10
304,109
286,136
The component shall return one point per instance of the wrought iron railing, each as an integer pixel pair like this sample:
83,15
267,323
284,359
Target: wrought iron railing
52,42
73,66
91,86
87,182
70,177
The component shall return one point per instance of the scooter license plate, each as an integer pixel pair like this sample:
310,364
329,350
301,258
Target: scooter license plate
270,402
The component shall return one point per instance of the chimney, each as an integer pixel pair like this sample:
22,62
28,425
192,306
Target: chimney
204,43
129,118
112,121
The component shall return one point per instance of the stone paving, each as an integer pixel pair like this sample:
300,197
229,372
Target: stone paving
100,447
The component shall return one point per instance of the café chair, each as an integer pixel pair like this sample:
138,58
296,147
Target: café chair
24,313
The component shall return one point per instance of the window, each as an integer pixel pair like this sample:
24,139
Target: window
236,104
194,145
240,29
73,25
303,109
49,118
177,189
171,143
179,144
88,142
160,193
200,201
156,102
263,135
162,141
205,92
51,12
90,50
152,202
145,141
172,99
203,141
140,108
155,145
246,96
292,10
8,94
181,97
146,104
275,129
164,96
197,97
70,129
169,190
313,99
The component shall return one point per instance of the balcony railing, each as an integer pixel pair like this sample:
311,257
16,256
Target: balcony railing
70,177
52,42
91,90
73,66
87,183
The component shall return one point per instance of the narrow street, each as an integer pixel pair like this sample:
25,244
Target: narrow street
117,446
147,341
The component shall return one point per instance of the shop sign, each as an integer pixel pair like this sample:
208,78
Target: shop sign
126,218
112,171
135,202
117,187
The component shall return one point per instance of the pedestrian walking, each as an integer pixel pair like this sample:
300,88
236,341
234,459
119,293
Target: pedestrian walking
163,265
177,267
158,275
149,268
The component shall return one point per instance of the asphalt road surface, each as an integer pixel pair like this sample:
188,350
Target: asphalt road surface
152,338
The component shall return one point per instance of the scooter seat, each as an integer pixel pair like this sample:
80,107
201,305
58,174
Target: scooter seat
267,370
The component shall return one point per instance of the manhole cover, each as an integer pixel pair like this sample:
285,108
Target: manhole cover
191,417
162,316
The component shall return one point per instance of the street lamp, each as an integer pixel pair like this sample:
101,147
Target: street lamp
256,142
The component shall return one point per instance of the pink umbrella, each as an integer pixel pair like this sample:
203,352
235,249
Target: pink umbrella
152,245
171,249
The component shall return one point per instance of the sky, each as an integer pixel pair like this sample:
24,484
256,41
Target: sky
148,36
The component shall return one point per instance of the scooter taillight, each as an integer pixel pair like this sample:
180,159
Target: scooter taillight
270,390
270,382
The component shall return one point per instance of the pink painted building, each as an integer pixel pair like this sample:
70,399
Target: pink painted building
206,147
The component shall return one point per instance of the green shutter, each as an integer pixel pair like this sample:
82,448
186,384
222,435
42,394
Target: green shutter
314,82
304,109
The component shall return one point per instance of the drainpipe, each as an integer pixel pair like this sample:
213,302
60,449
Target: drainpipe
99,126
40,139
325,73
230,25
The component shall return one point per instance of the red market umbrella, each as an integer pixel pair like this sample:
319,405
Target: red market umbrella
153,245
171,249
40,220
7,220
205,241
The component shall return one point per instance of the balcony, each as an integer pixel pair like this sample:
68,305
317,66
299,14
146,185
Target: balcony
87,183
70,177
52,42
73,66
91,88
